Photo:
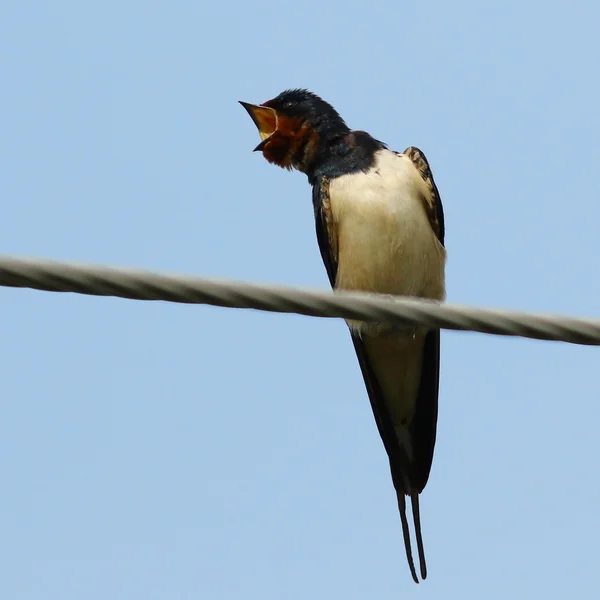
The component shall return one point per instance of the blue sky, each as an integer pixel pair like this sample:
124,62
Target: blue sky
161,451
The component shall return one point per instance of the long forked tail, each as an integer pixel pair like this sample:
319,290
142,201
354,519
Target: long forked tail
414,500
406,533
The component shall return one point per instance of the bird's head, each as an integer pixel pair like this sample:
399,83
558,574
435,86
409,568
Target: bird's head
296,127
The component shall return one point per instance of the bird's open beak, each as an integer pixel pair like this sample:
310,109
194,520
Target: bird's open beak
265,120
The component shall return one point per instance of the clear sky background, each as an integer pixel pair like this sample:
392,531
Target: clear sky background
161,451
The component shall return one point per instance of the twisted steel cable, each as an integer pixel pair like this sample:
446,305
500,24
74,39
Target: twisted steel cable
52,276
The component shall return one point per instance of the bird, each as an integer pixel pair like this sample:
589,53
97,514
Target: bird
380,229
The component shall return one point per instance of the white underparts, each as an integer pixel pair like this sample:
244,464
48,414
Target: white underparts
386,245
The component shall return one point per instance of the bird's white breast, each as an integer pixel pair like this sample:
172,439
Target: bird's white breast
385,241
386,244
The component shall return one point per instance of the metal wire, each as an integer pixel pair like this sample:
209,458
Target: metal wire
95,280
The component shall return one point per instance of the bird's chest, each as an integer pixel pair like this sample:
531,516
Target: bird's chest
385,243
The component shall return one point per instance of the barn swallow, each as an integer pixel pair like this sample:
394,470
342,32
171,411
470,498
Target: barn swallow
380,228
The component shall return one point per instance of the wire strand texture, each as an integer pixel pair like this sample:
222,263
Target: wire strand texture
96,280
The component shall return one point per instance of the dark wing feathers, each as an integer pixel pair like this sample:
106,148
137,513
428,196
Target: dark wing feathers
325,233
424,422
423,425
433,204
